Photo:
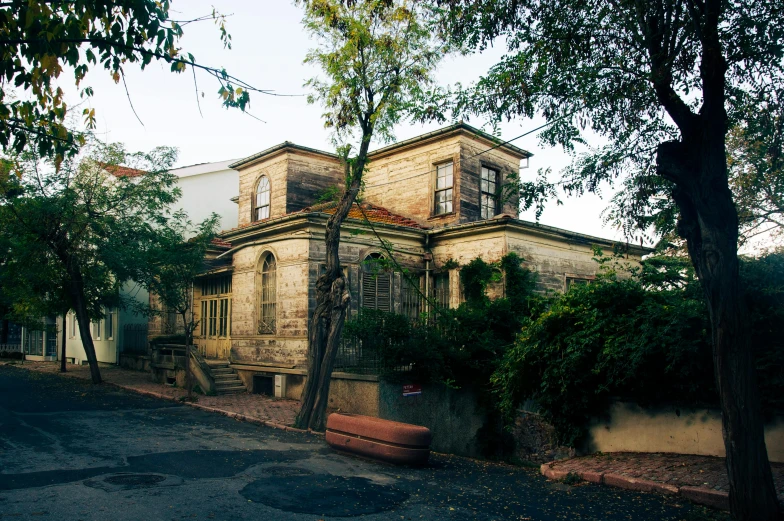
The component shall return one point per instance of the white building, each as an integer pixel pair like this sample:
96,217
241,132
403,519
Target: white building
206,188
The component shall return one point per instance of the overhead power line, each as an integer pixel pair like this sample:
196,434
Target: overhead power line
498,145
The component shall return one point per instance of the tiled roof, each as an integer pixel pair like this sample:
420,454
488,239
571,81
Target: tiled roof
217,241
122,171
374,213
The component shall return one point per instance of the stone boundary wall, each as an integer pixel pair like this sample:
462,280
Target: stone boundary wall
631,428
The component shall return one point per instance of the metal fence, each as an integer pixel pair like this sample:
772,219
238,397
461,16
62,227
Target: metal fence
134,338
10,348
358,356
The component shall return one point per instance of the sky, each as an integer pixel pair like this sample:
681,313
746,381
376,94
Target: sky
268,48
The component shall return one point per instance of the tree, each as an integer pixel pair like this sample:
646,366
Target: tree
755,150
86,227
376,56
39,40
173,264
662,81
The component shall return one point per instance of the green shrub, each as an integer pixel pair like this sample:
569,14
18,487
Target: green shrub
644,339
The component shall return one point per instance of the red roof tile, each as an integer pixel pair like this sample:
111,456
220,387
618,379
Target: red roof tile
217,241
374,213
122,171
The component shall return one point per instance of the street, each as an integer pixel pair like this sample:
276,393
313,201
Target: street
73,451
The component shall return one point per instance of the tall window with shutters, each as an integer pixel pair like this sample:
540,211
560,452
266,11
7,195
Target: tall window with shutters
261,206
267,280
376,284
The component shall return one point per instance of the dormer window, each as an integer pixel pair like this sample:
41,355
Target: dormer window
261,210
489,193
444,183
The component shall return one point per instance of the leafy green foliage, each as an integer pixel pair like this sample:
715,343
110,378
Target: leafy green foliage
645,339
74,232
623,70
39,41
377,56
459,347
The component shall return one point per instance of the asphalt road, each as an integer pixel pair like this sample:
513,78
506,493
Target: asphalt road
73,451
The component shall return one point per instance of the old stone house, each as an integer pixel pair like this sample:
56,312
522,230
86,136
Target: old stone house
435,198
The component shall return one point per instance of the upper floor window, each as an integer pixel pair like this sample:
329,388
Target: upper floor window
267,295
444,184
489,193
261,208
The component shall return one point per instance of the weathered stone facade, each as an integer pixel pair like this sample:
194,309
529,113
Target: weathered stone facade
402,179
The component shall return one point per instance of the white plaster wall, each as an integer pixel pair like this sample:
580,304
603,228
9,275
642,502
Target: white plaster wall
108,350
631,428
209,188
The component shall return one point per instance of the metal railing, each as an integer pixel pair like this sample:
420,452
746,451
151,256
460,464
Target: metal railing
358,356
10,348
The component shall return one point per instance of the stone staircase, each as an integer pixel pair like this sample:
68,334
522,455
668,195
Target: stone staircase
227,381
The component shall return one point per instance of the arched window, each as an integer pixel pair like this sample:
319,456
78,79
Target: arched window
376,284
267,294
261,207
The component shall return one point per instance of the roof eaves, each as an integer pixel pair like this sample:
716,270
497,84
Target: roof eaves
541,228
447,130
286,145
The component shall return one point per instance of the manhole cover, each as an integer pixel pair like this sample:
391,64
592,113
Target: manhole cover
135,480
287,472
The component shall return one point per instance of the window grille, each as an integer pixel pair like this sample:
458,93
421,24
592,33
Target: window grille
268,296
441,288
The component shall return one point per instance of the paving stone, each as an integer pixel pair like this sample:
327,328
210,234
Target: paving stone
703,477
253,406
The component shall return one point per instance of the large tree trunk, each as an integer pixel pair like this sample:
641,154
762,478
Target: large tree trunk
709,223
79,304
188,372
332,298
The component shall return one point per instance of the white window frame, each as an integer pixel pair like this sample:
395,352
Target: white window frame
262,199
109,325
447,187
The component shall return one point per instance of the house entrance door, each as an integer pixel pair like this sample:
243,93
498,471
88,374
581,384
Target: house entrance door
215,326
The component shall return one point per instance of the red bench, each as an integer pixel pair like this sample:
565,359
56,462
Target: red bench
393,442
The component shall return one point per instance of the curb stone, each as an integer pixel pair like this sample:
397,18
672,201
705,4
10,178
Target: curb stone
699,495
706,496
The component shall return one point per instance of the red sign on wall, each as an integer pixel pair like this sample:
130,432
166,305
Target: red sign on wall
412,390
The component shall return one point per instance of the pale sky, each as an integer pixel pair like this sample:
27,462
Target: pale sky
268,47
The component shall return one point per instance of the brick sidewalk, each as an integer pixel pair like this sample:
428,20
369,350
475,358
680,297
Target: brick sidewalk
256,408
702,479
